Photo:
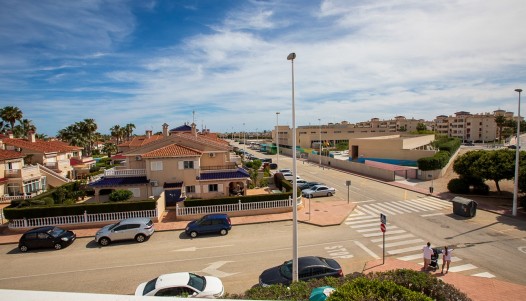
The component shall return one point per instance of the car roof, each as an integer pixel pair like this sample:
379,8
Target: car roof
173,279
313,261
134,220
41,229
216,215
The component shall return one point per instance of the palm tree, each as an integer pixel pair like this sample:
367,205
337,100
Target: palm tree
23,129
88,128
11,115
500,120
109,148
129,130
114,131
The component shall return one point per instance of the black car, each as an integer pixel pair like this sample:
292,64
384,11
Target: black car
308,185
210,223
46,237
309,267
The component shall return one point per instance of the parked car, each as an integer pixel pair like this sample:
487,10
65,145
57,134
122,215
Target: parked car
285,170
309,267
46,237
289,176
268,160
318,190
131,228
182,285
210,223
300,181
309,185
273,166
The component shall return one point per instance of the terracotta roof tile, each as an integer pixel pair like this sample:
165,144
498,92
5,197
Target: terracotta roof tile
173,150
41,145
141,140
7,154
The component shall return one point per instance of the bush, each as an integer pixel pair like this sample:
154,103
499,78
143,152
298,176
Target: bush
438,161
481,189
365,289
458,186
120,195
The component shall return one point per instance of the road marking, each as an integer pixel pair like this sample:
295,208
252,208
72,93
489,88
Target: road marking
368,201
431,214
212,269
192,249
411,257
401,243
484,275
404,250
393,237
464,267
384,209
379,233
361,221
365,225
367,250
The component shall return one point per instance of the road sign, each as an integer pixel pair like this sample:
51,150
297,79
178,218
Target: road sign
383,218
348,183
382,227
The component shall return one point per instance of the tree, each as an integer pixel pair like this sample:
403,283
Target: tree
109,148
403,128
421,127
496,165
89,127
11,115
500,120
128,130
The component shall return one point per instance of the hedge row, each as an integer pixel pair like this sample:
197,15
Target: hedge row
236,199
438,161
11,212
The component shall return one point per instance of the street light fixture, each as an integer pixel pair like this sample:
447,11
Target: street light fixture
319,122
291,58
516,186
244,140
277,139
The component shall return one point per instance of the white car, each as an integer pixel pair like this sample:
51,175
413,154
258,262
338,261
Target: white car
187,285
289,176
318,190
286,170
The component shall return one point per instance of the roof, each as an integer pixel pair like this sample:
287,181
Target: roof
118,157
140,141
119,181
172,150
182,128
240,173
41,145
174,279
7,154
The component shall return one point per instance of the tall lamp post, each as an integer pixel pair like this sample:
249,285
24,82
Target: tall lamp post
291,58
319,121
244,140
516,186
277,139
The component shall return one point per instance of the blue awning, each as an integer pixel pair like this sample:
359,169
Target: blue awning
119,181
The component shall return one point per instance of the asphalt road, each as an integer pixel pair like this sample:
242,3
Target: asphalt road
487,245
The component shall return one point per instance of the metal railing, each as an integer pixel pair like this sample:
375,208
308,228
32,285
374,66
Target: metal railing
79,219
180,211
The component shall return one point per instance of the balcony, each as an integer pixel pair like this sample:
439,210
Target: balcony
25,172
230,166
113,172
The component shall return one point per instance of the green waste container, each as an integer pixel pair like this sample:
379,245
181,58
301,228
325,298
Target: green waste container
464,207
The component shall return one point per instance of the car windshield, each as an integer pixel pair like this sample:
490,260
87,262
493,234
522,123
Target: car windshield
197,282
56,232
150,286
286,269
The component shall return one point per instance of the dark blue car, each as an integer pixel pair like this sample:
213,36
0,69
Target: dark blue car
211,223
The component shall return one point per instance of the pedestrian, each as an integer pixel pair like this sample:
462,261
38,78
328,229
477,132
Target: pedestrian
427,255
446,258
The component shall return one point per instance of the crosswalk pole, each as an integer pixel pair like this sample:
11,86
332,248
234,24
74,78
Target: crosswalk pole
383,248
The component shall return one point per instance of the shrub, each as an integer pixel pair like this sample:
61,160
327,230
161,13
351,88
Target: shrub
120,195
365,289
48,201
458,186
481,189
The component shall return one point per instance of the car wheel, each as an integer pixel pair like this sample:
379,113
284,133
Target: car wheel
329,194
310,196
223,232
23,248
57,246
193,234
104,241
140,238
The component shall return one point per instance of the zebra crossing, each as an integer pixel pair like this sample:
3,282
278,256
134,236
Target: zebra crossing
398,242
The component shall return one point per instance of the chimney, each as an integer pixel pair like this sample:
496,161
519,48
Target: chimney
165,130
148,134
194,131
32,137
10,134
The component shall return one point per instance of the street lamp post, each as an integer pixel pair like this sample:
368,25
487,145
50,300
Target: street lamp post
277,139
319,121
244,140
291,58
516,186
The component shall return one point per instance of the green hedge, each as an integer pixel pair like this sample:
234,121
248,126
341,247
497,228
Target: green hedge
447,147
236,199
76,209
365,289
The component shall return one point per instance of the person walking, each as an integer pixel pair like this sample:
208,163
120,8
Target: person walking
427,255
446,258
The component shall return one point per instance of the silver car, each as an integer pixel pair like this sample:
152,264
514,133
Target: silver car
131,228
318,190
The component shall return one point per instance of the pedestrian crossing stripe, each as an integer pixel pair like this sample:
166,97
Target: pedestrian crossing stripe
484,275
460,268
388,238
401,243
400,207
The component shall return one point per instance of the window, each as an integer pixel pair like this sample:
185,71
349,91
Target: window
213,187
32,186
188,164
190,189
156,165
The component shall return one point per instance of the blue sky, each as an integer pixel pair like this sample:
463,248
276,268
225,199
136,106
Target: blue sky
155,62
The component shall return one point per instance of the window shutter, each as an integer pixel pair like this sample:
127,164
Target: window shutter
196,164
205,188
197,188
181,164
220,187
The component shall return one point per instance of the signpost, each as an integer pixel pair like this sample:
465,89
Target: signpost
348,183
383,228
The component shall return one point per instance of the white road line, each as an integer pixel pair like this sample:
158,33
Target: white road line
368,230
353,218
440,202
380,233
411,257
402,243
431,214
385,209
484,275
404,250
374,210
422,207
392,206
367,250
368,212
403,204
410,204
370,220
368,201
367,225
460,268
432,204
393,237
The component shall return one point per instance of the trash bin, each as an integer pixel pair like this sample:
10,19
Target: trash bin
464,207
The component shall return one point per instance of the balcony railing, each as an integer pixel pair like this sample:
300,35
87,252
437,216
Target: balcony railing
113,172
13,173
25,172
231,166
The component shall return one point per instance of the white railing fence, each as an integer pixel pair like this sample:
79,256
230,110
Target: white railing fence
79,219
180,211
8,199
124,172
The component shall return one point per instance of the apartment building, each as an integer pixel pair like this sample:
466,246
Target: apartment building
181,163
17,178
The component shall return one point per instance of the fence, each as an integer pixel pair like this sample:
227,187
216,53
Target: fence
7,199
180,211
79,219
